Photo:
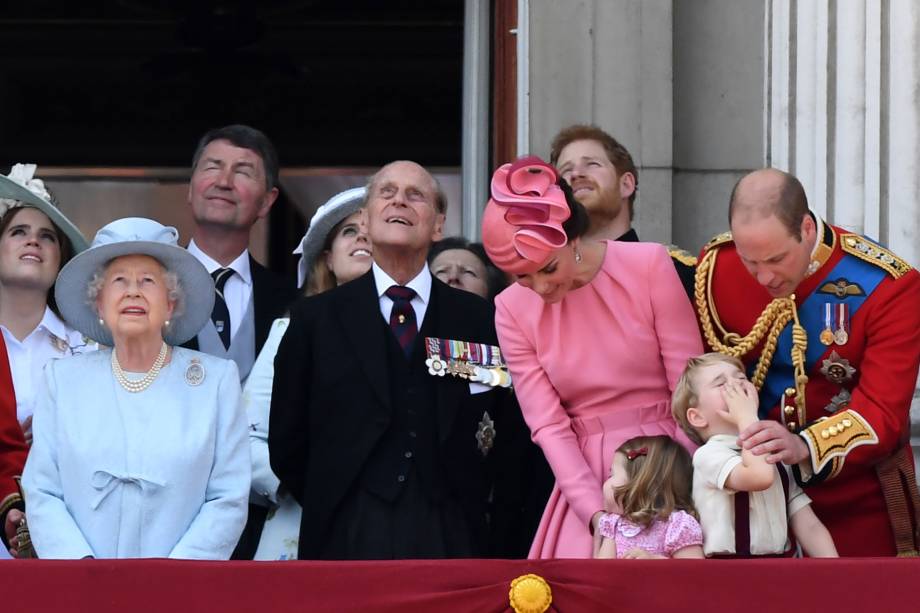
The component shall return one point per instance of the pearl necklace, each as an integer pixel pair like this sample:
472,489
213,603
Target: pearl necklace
144,382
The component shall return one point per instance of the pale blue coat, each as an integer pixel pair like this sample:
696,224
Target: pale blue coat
161,473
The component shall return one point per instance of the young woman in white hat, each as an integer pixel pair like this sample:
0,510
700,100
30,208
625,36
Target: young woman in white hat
36,240
334,250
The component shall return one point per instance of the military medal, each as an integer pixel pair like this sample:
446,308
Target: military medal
473,361
840,335
837,369
436,366
839,402
194,374
827,334
485,435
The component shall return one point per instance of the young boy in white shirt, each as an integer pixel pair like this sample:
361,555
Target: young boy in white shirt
713,402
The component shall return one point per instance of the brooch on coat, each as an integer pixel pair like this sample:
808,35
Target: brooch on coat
473,361
194,373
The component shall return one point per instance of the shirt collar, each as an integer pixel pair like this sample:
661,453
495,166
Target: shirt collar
240,265
53,324
421,283
730,440
824,244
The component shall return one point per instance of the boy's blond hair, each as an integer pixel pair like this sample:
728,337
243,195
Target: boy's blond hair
686,395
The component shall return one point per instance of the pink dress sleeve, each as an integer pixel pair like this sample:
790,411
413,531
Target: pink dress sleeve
549,423
683,531
607,525
675,324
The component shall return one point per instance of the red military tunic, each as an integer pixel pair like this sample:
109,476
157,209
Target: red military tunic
858,393
13,448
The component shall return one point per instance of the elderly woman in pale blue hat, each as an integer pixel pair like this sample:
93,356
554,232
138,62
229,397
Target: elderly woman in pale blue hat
140,449
335,250
36,240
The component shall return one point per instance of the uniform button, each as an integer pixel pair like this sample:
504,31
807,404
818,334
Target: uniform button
412,433
825,434
401,478
408,454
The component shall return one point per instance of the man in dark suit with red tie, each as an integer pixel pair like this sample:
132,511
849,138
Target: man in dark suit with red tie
387,458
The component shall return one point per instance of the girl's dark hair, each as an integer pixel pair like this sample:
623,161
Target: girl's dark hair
659,480
496,280
65,246
577,223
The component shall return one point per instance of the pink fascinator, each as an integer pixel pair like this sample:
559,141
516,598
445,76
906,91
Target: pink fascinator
522,223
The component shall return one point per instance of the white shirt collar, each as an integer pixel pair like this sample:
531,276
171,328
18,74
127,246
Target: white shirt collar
421,283
53,324
240,265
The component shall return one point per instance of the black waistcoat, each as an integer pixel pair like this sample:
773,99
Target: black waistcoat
409,447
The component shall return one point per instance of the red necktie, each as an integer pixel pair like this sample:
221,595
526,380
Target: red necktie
402,317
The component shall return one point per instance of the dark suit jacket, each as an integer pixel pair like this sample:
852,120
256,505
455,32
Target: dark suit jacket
331,403
685,271
272,294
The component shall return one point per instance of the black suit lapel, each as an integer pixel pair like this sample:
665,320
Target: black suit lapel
438,320
261,297
359,313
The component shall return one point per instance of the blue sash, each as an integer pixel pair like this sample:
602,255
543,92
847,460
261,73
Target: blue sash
811,315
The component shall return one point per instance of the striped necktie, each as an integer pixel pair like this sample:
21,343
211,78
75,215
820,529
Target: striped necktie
402,317
221,314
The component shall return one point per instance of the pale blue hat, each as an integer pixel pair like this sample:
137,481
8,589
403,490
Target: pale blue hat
135,236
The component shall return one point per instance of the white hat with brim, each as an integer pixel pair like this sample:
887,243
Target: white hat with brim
12,190
336,209
135,236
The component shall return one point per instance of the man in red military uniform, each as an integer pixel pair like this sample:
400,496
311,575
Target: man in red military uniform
829,324
13,452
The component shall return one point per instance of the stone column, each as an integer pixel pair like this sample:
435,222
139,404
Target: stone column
843,86
606,62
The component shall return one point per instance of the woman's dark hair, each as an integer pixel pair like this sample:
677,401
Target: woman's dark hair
577,224
496,280
66,247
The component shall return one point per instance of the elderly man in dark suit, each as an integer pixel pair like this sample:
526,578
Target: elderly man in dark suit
388,459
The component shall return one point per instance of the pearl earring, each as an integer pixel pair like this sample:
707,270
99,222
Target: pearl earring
101,323
577,257
166,324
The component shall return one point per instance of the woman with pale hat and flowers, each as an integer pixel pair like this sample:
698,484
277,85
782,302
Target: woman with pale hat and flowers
36,240
595,334
334,250
140,449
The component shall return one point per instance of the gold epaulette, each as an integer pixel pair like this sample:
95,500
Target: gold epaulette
9,502
831,439
684,257
866,250
718,240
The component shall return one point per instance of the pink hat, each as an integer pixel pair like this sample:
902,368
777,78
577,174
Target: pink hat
522,223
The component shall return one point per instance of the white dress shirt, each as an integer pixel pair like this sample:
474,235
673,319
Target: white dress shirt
421,283
237,290
51,339
712,465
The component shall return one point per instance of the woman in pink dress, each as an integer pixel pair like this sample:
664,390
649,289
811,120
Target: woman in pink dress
596,335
